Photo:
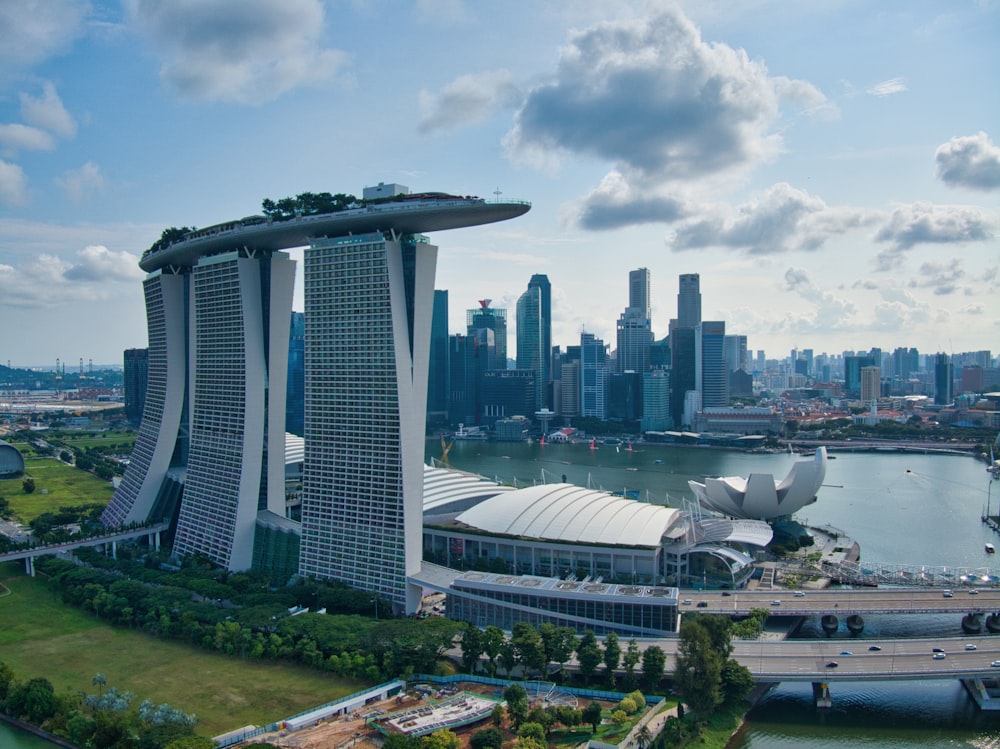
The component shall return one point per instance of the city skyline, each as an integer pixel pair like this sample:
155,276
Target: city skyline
828,199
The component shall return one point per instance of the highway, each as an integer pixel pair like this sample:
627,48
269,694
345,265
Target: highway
842,602
805,660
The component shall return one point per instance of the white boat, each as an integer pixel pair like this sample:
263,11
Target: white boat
990,549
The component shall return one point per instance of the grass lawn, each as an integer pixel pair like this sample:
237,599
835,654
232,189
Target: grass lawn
67,487
104,440
39,636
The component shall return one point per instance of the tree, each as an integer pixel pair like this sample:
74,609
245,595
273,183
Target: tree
643,737
6,680
28,485
612,655
529,647
100,681
496,716
34,700
619,718
654,662
737,681
493,642
588,654
592,715
630,661
532,731
472,648
487,738
543,716
517,703
442,739
698,669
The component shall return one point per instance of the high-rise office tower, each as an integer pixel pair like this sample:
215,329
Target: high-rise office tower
944,380
689,301
852,373
541,281
135,375
218,303
532,353
437,379
295,402
593,377
490,318
634,329
735,353
638,291
710,365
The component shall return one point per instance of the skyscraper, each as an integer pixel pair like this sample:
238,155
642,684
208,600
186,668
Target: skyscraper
366,396
530,344
711,376
944,380
218,303
593,377
541,282
689,301
295,402
634,330
490,318
437,379
135,375
871,383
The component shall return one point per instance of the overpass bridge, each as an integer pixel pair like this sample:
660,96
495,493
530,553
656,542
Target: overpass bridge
151,532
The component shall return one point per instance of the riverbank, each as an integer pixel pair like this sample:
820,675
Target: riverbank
36,731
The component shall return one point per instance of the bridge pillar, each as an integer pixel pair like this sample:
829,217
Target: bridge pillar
29,566
114,549
821,694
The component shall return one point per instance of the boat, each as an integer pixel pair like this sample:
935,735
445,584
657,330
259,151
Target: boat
990,549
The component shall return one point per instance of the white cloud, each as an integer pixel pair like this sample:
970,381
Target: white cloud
441,12
661,104
888,88
13,184
468,99
781,219
47,112
17,137
245,51
48,281
33,30
79,184
971,161
927,223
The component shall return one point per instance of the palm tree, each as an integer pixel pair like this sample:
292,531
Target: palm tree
643,737
100,681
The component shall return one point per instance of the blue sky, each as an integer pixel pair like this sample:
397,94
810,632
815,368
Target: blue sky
831,169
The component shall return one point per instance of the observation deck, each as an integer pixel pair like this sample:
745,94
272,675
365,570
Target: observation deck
406,214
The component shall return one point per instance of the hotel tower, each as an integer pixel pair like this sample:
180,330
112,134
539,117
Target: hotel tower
210,454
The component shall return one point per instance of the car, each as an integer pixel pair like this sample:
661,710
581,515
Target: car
995,664
726,594
970,646
875,648
832,664
775,603
948,594
973,592
800,594
702,604
686,602
939,656
846,652
938,650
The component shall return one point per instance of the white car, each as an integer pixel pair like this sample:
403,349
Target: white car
939,656
948,594
775,603
800,594
970,646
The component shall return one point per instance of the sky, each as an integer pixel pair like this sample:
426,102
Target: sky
831,169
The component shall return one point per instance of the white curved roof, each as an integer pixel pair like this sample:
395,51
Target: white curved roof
563,512
444,486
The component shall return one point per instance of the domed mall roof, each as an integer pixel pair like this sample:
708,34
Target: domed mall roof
563,512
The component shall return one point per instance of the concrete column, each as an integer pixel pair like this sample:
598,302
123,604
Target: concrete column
821,694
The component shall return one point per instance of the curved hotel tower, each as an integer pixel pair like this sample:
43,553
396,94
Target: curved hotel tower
218,305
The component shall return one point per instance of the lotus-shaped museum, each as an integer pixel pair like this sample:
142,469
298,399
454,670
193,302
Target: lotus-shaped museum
760,497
